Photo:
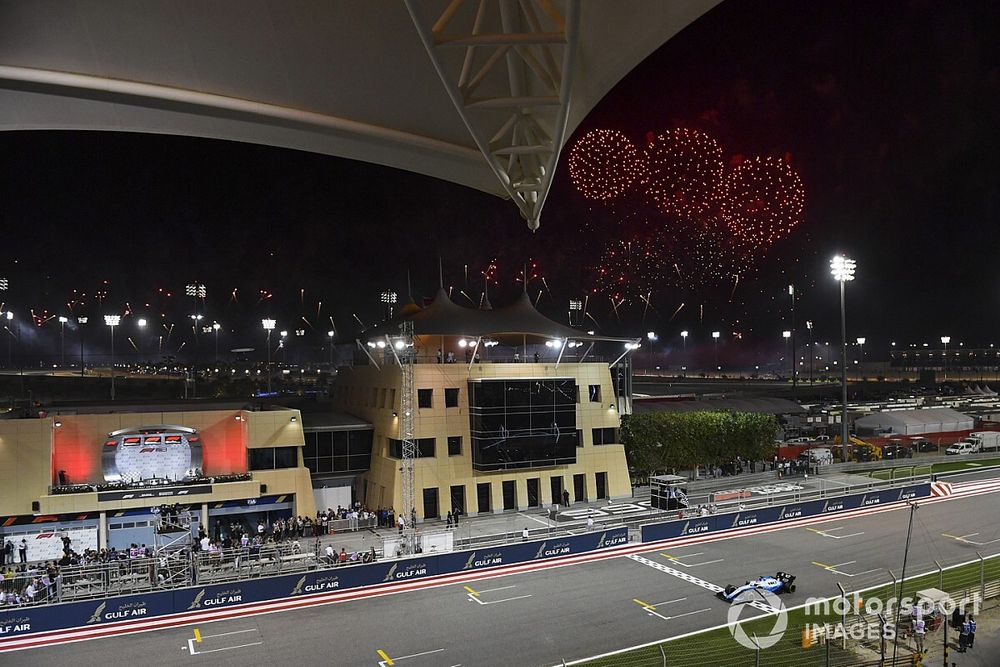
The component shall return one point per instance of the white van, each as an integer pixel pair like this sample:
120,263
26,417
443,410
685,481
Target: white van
962,448
817,456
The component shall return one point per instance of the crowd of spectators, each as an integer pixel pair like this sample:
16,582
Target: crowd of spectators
37,582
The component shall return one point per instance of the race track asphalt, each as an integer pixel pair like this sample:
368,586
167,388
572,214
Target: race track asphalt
544,617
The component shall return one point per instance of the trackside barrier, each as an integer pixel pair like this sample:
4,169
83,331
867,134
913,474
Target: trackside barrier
758,516
19,622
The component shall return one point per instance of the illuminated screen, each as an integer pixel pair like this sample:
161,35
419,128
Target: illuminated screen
154,452
522,423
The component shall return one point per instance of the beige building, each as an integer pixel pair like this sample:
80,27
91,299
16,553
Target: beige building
530,419
53,469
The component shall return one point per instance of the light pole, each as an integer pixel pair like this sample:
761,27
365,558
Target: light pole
62,340
329,335
944,341
141,323
10,338
81,321
112,321
842,270
215,327
268,327
795,383
787,335
652,337
861,362
812,350
715,337
281,344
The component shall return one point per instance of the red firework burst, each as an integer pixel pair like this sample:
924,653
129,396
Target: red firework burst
762,199
604,164
684,169
628,269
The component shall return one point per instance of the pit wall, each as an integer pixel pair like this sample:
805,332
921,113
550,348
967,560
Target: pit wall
779,513
26,621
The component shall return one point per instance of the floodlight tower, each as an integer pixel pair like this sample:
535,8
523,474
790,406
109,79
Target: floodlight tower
944,341
62,339
842,270
268,325
388,299
112,321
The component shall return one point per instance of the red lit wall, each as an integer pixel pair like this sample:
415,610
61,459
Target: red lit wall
77,444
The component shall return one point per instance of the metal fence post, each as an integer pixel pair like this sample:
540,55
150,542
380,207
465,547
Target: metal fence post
843,616
982,576
940,575
881,634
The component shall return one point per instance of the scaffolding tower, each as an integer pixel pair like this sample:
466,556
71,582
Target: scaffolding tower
403,350
172,545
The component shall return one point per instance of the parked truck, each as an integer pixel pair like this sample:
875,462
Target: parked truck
986,441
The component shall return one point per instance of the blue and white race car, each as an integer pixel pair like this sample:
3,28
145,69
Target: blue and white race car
780,583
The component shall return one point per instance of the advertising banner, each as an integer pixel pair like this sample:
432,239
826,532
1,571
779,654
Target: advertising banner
22,621
27,620
755,517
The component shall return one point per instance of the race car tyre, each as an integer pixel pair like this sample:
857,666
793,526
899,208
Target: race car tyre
791,589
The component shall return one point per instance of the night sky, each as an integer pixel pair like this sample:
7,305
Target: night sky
887,111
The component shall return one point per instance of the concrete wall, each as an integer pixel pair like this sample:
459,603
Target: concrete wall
373,394
25,462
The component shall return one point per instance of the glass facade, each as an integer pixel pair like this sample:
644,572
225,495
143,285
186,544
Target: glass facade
327,452
523,423
272,458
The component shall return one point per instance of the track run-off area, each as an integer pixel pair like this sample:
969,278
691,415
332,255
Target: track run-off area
543,613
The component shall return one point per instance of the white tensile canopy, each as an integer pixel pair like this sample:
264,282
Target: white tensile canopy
915,422
481,92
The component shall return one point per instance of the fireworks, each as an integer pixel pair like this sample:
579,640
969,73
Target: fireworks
714,221
684,171
762,199
604,164
628,270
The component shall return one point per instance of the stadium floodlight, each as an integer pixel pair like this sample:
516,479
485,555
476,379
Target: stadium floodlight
786,334
112,321
142,322
196,290
842,269
63,319
4,284
268,325
389,297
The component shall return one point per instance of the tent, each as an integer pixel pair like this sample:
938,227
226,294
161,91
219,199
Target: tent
914,422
